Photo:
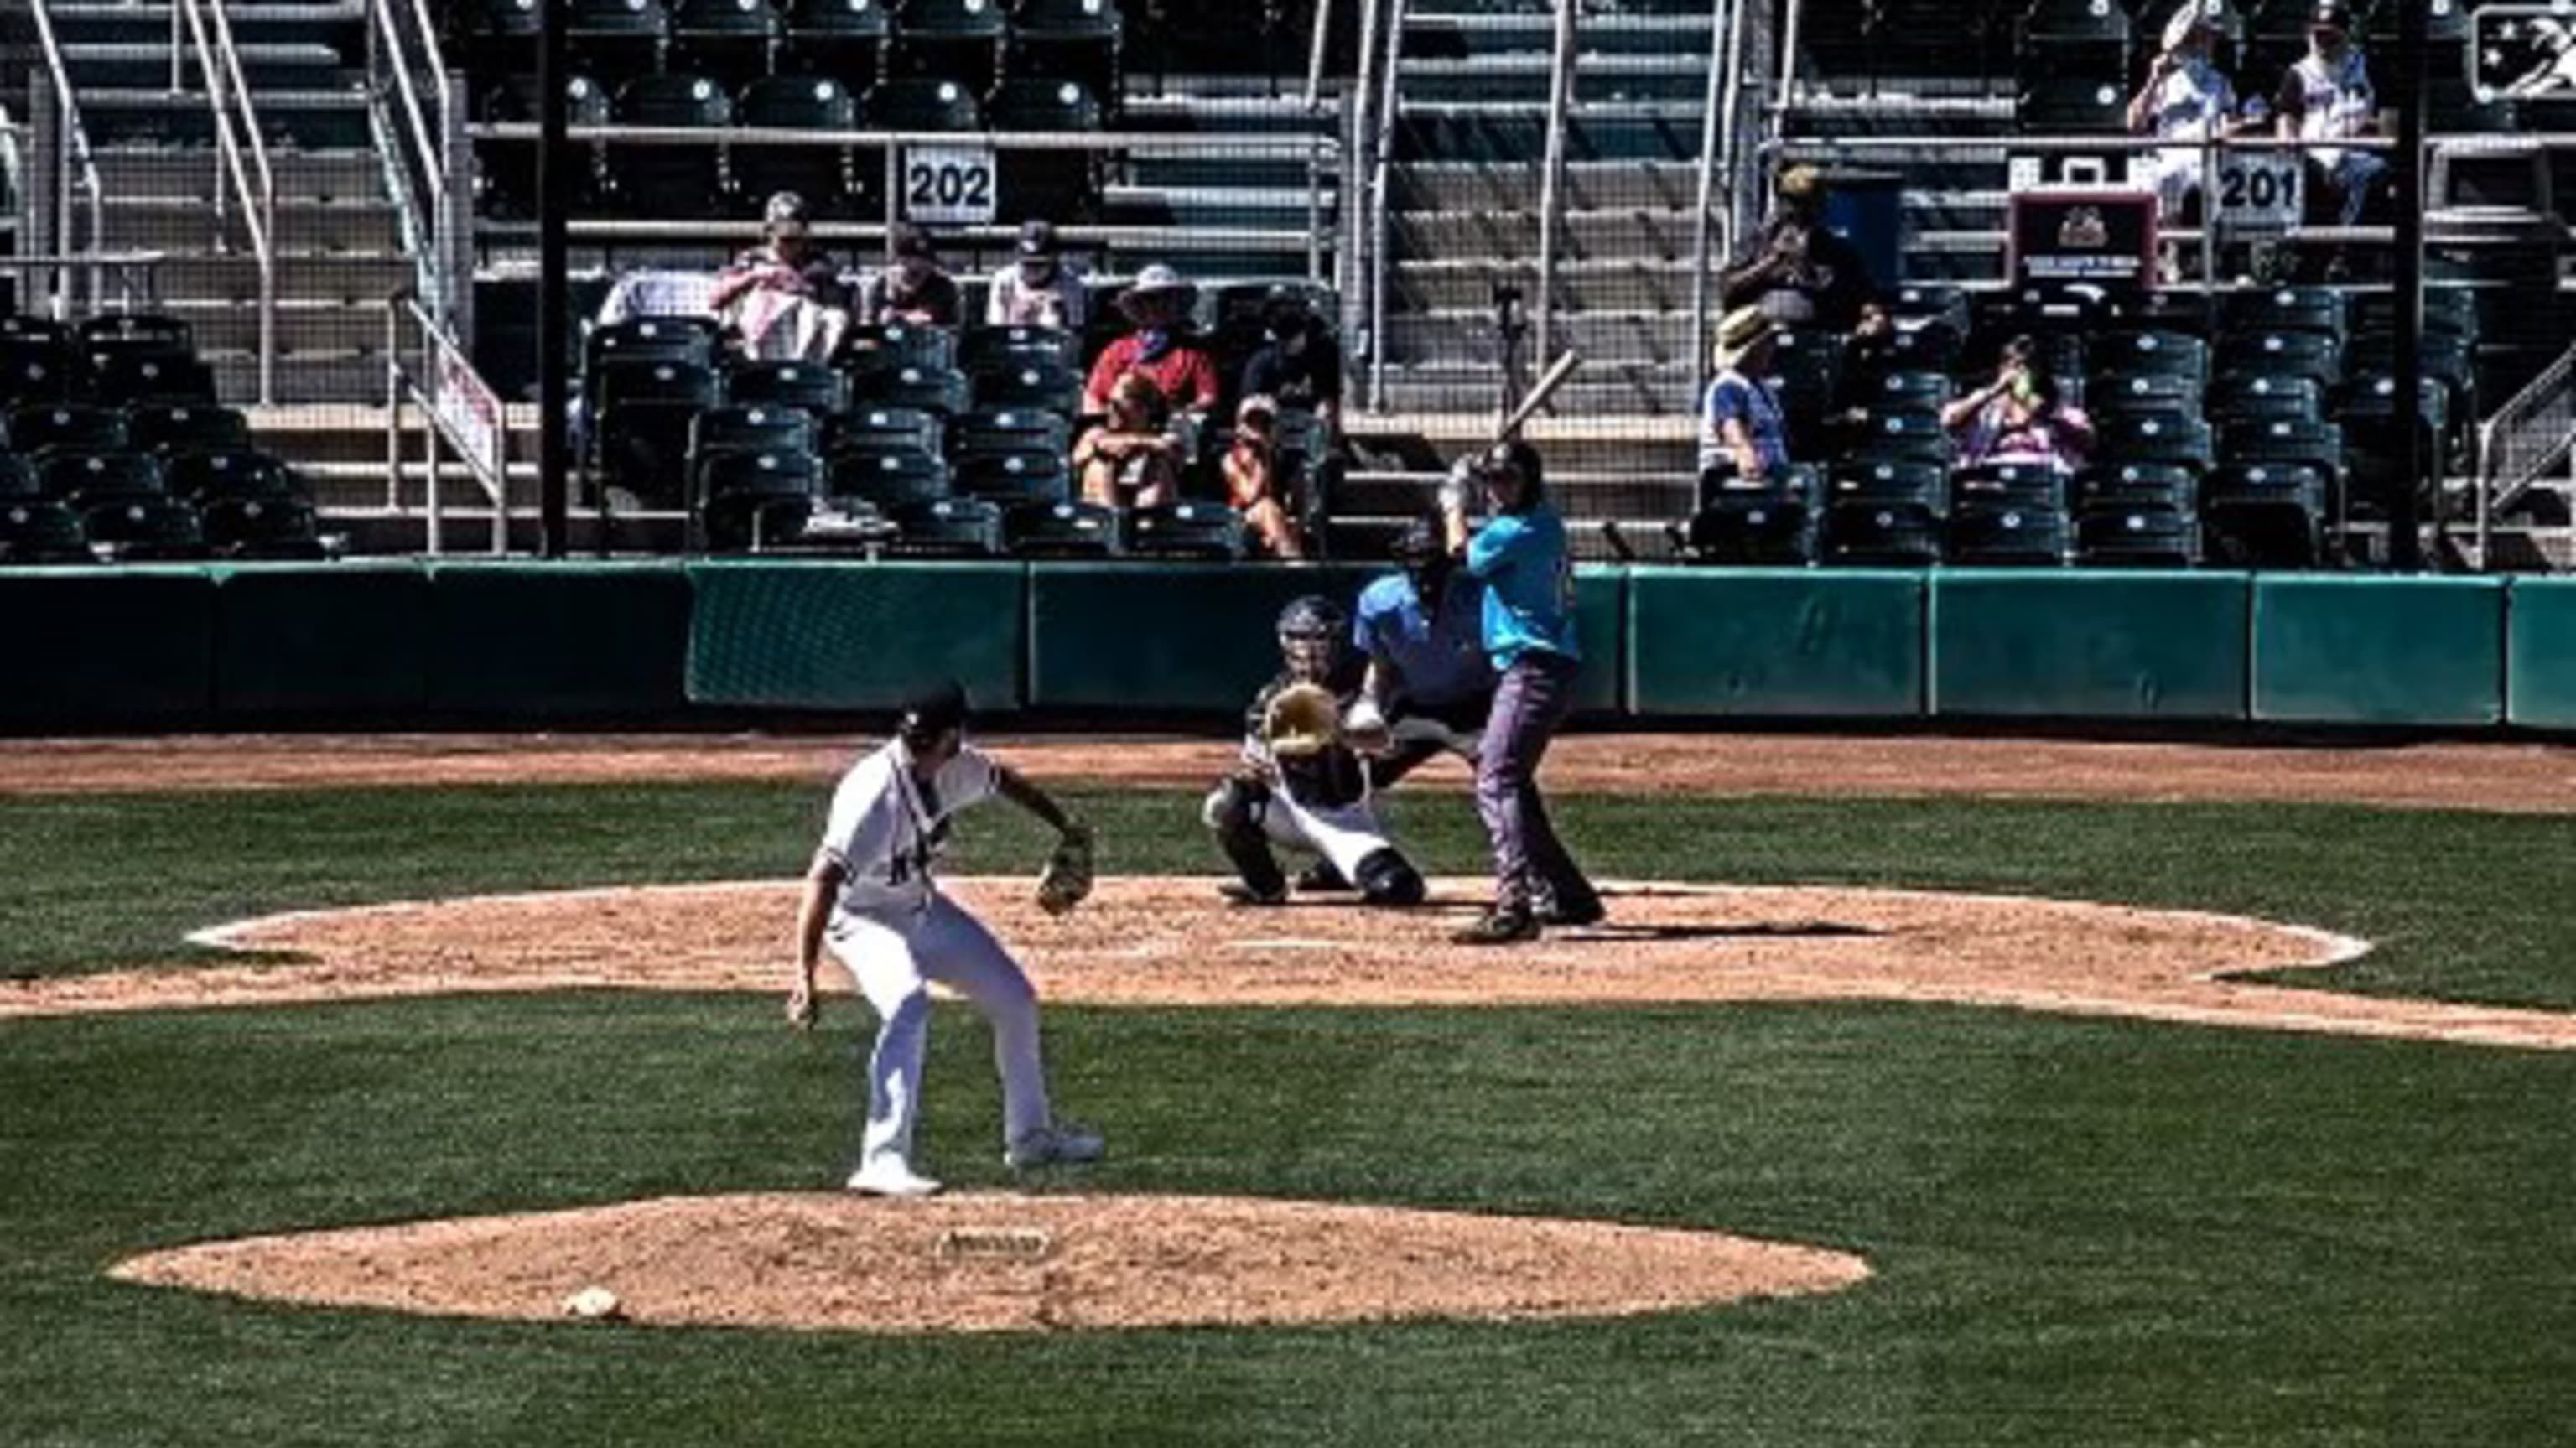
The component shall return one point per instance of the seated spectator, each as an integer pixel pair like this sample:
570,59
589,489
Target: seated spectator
1160,348
2020,417
1252,482
1128,459
2327,96
1299,364
784,299
2185,98
1796,270
1740,426
1037,288
912,290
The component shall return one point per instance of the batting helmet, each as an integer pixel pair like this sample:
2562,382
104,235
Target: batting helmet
1310,636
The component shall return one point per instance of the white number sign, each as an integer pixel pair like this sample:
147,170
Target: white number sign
2260,191
953,185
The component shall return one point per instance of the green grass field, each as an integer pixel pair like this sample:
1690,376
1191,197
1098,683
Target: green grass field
2086,1231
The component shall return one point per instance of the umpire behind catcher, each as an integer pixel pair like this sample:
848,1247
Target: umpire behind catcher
1522,558
1429,685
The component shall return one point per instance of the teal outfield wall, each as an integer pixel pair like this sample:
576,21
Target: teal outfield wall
529,644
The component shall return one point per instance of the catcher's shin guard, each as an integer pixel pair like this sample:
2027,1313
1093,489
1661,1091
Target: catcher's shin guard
1233,811
1387,878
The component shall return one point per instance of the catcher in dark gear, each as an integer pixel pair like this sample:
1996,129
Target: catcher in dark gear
1300,783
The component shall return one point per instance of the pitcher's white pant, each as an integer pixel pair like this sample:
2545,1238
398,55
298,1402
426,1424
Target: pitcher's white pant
1345,835
895,958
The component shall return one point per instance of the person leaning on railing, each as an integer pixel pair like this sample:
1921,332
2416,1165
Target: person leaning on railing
1795,269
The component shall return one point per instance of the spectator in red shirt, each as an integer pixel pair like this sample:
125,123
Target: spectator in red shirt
1160,349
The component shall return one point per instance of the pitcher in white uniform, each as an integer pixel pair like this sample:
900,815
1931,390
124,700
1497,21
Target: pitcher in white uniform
870,894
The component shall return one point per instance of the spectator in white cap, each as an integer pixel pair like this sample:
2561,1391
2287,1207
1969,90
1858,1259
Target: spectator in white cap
913,290
2327,96
784,299
2185,98
1037,287
1161,347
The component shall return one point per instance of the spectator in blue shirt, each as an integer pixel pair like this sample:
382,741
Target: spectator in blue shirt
1522,559
1740,425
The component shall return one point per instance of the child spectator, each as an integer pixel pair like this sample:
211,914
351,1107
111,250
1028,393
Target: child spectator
1252,483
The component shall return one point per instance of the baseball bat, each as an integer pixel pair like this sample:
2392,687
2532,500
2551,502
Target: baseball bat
1555,375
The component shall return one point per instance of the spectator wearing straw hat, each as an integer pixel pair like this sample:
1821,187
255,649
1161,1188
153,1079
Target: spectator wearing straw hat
913,290
1740,426
1160,346
1037,287
2186,98
1795,269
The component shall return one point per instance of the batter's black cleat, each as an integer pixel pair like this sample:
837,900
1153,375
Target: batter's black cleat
1564,914
1238,892
1320,878
1502,925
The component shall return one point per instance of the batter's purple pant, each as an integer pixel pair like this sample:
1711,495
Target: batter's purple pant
1533,698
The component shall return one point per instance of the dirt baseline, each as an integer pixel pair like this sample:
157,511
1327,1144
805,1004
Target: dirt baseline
1169,942
1001,1263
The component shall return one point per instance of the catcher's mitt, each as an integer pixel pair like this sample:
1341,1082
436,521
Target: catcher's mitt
1066,880
1302,719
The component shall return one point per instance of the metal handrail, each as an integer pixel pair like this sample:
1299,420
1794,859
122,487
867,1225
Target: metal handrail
1551,185
2543,411
1716,147
220,63
1316,54
425,160
1248,146
1382,167
76,146
443,361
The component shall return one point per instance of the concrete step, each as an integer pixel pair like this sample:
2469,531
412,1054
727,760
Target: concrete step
1528,77
265,65
321,377
1657,286
1589,186
315,119
1231,114
1514,236
188,172
1453,35
1470,335
1575,441
352,279
1517,132
303,327
332,227
1605,388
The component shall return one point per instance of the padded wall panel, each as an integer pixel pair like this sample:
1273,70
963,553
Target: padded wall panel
322,639
547,640
1775,642
100,646
2540,653
1601,630
844,635
2370,650
1163,637
2089,644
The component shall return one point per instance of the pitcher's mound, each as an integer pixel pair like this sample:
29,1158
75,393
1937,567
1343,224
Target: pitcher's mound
1001,1263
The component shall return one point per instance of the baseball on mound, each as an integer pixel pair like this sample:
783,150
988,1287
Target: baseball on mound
591,1302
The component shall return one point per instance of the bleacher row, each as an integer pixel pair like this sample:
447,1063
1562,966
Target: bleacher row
916,439
815,65
2248,443
112,446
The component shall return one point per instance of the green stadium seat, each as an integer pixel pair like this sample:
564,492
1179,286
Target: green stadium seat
754,498
17,480
2284,309
167,428
83,478
693,340
1031,385
1007,430
2169,392
820,390
2154,437
2315,356
891,475
2263,397
891,427
616,37
144,527
1060,529
40,369
951,528
729,40
941,390
273,529
2151,352
1016,475
951,38
35,429
893,346
1770,521
844,38
981,348
755,428
924,105
206,475
835,181
2137,537
41,531
663,181
1192,531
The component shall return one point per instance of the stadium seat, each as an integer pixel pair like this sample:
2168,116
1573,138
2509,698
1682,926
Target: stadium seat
959,38
40,369
891,427
834,180
844,38
1007,430
17,479
751,498
2082,105
1076,40
2239,398
2313,355
1040,385
2154,437
692,340
2137,537
1806,375
83,478
39,530
892,477
941,390
2268,515
731,41
1910,391
501,35
640,427
20,327
2170,486
757,428
144,527
2109,397
1017,475
275,529
1920,302
981,348
1043,105
2150,352
1982,535
951,528
508,169
2451,309
820,390
126,375
924,105
616,37
1060,529
668,180
206,475
1207,532
75,425
1045,185
1771,521
1885,514
893,346
2285,309
168,428
1903,435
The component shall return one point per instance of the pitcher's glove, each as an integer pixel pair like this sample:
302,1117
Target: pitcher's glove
1303,719
1066,880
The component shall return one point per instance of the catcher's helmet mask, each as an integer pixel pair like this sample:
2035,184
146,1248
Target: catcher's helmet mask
1310,637
1419,552
931,714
